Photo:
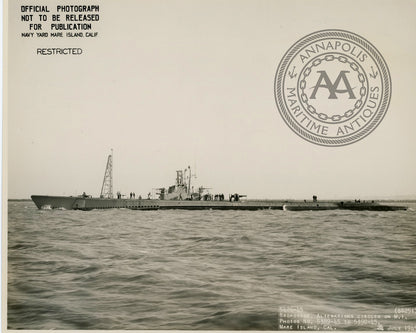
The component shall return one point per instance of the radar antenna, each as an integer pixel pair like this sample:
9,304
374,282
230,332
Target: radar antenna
107,188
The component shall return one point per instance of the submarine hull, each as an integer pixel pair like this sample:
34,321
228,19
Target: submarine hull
88,203
82,203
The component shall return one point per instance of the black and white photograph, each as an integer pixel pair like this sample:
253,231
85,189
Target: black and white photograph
209,165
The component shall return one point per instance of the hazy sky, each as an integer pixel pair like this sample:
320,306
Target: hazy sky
168,84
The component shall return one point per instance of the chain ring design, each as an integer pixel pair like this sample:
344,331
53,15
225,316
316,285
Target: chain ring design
343,59
369,109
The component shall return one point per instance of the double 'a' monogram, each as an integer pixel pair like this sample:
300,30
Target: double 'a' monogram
340,91
333,87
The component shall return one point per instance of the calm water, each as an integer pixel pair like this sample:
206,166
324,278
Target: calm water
123,269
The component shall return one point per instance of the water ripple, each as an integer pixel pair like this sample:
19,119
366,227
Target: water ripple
225,270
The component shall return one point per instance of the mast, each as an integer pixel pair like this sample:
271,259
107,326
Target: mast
189,181
107,188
